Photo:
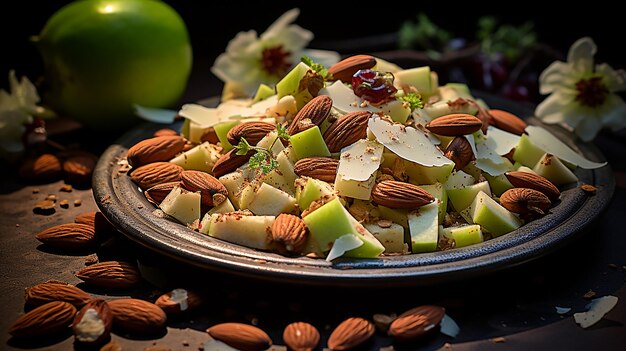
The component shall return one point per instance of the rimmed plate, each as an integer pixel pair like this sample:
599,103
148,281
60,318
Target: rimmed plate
126,207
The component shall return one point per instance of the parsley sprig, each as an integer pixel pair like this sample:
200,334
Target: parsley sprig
317,67
414,100
263,160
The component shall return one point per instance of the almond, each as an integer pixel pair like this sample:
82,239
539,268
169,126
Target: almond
44,167
253,132
78,169
96,220
165,132
524,201
313,113
110,274
416,323
43,293
350,334
347,130
241,336
456,124
229,162
394,194
137,316
205,183
290,232
346,68
301,336
507,121
44,320
210,135
68,236
92,324
156,173
533,181
178,301
460,151
156,149
322,168
157,193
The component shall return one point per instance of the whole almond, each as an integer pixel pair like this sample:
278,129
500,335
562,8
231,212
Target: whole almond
350,334
394,194
165,132
210,135
44,167
416,323
159,192
253,132
347,130
68,236
96,220
507,121
44,320
162,148
346,68
525,200
43,293
137,316
456,124
315,111
322,168
229,162
92,324
301,336
533,181
290,232
460,151
78,169
110,274
241,336
156,173
178,301
203,182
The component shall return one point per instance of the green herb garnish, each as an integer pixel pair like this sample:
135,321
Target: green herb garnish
414,100
317,67
263,159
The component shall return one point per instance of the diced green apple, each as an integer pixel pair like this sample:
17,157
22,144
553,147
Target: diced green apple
491,216
199,158
391,237
221,130
242,229
427,175
463,197
396,215
183,205
268,141
309,143
270,201
498,184
225,207
441,197
458,180
525,169
286,169
342,245
309,190
453,91
263,92
234,182
527,153
356,173
551,168
463,235
276,179
423,227
419,77
290,83
397,110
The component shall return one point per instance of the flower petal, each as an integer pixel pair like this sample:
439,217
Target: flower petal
589,127
293,39
615,117
615,80
555,77
551,109
281,23
581,54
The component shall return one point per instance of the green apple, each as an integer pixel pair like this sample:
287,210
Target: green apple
391,237
199,158
263,92
242,229
397,110
498,184
103,56
453,91
309,190
441,197
458,180
463,197
309,143
225,207
423,227
525,169
442,108
286,169
463,235
419,77
551,168
491,216
527,153
396,215
270,201
221,130
183,205
427,175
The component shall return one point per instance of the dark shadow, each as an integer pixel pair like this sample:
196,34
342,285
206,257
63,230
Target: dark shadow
64,251
39,342
606,323
152,335
78,346
92,289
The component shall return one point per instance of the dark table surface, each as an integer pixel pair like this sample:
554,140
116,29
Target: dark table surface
513,309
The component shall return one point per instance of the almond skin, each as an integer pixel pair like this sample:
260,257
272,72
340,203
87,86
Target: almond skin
203,182
347,130
252,131
93,327
316,111
165,132
290,232
78,169
162,148
69,236
156,173
350,334
43,293
394,194
346,68
192,300
159,192
525,200
507,121
416,323
229,162
457,124
110,274
301,336
241,336
44,320
96,220
137,316
460,151
322,168
44,167
533,181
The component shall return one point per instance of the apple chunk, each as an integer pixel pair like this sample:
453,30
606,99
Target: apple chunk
309,143
423,226
392,236
309,190
271,201
243,229
225,207
463,235
491,216
461,198
183,205
199,158
551,168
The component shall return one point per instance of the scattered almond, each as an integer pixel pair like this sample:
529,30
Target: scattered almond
43,293
351,333
156,149
156,173
44,167
322,168
524,200
533,181
316,111
64,203
229,162
301,336
347,130
44,320
178,301
394,194
290,232
78,169
68,236
416,323
507,121
241,336
253,132
460,151
110,274
66,188
92,324
137,316
346,68
159,192
44,207
588,188
165,132
205,183
457,124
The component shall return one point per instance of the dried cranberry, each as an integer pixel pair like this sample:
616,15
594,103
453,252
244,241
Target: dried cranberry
373,86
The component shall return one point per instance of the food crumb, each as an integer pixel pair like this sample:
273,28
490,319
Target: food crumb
590,189
66,188
77,203
91,259
45,207
36,191
51,198
447,345
64,203
498,340
589,294
17,225
185,343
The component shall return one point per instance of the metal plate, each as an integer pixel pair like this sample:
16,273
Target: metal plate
126,207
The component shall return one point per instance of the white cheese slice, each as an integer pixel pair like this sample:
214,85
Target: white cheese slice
203,116
342,245
494,169
421,119
486,149
503,141
344,99
407,142
360,160
472,142
552,145
597,309
449,327
206,117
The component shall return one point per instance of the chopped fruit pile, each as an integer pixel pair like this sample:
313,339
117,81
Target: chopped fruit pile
385,163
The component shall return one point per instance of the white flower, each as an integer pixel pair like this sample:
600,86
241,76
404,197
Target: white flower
582,96
16,111
250,60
